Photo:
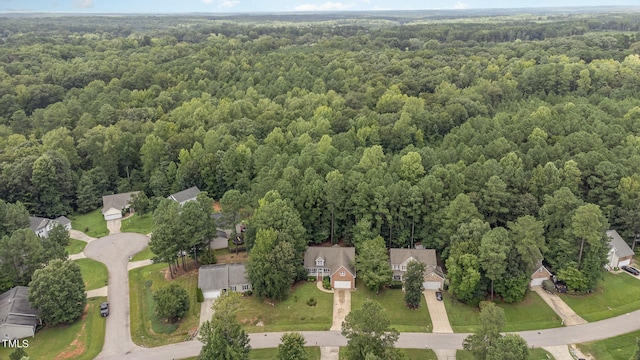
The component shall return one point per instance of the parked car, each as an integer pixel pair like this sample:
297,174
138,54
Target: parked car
104,309
439,295
561,286
631,270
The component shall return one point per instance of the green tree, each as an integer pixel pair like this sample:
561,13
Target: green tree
53,183
18,354
636,354
373,264
491,324
198,227
166,233
141,203
292,347
12,217
464,277
172,302
232,203
588,226
368,332
59,235
527,235
223,337
508,347
21,255
272,266
494,248
57,290
413,280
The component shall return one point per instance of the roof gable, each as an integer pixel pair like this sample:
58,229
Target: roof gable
36,223
185,195
221,276
621,247
425,256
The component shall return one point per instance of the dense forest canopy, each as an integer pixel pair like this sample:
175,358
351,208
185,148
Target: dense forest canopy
473,136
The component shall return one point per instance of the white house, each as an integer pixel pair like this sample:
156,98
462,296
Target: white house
17,318
42,226
185,196
114,205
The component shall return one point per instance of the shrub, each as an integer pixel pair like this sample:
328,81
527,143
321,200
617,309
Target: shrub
395,285
200,295
326,283
312,302
248,293
311,278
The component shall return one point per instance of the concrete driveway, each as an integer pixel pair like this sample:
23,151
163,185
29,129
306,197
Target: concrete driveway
438,313
560,307
114,226
341,307
79,235
206,311
114,251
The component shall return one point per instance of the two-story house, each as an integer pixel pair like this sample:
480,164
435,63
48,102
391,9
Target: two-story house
338,263
400,258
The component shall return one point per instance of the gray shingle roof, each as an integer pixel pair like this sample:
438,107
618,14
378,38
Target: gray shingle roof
63,220
36,223
334,257
117,201
425,256
15,308
221,276
615,241
185,195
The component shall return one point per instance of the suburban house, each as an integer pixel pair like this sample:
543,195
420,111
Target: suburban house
620,253
335,262
42,226
113,206
184,196
540,275
214,280
17,318
433,275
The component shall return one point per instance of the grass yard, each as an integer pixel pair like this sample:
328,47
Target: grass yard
534,354
615,295
94,273
138,224
81,340
144,254
402,318
411,354
615,348
292,314
313,353
91,223
75,246
530,314
146,329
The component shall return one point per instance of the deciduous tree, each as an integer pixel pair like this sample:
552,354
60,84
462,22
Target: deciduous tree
413,280
223,337
373,264
292,347
172,301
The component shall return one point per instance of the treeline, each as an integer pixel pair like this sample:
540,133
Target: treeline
442,142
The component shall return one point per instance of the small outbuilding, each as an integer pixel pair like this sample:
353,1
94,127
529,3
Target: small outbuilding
620,254
17,318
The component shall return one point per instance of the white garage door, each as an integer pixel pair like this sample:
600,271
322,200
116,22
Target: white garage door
213,294
624,263
342,284
112,216
537,282
431,285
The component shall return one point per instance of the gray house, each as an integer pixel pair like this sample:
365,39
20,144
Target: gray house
620,254
42,226
17,318
338,263
185,196
433,275
114,205
214,280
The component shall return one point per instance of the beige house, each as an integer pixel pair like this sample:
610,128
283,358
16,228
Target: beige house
335,262
433,274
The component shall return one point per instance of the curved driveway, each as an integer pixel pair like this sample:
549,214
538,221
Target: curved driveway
114,251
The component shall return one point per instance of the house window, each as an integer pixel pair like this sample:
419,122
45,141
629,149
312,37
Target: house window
396,267
397,278
319,262
312,270
404,267
233,288
326,271
245,287
343,273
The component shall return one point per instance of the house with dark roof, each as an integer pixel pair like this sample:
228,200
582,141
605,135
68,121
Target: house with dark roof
216,279
114,205
17,318
433,274
185,196
620,254
338,263
42,226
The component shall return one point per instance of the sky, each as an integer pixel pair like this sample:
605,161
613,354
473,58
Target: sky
232,6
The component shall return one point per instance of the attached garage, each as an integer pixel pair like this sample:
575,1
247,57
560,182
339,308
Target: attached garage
540,275
432,285
342,285
622,263
112,214
212,294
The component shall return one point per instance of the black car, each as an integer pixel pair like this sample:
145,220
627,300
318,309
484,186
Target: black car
439,295
631,270
104,309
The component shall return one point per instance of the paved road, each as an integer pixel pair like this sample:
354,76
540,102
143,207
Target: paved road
114,251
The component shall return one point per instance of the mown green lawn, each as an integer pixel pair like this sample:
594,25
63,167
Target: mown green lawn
75,246
615,348
146,329
615,295
530,314
402,318
292,314
534,354
411,354
81,340
94,273
313,353
143,255
138,224
91,223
